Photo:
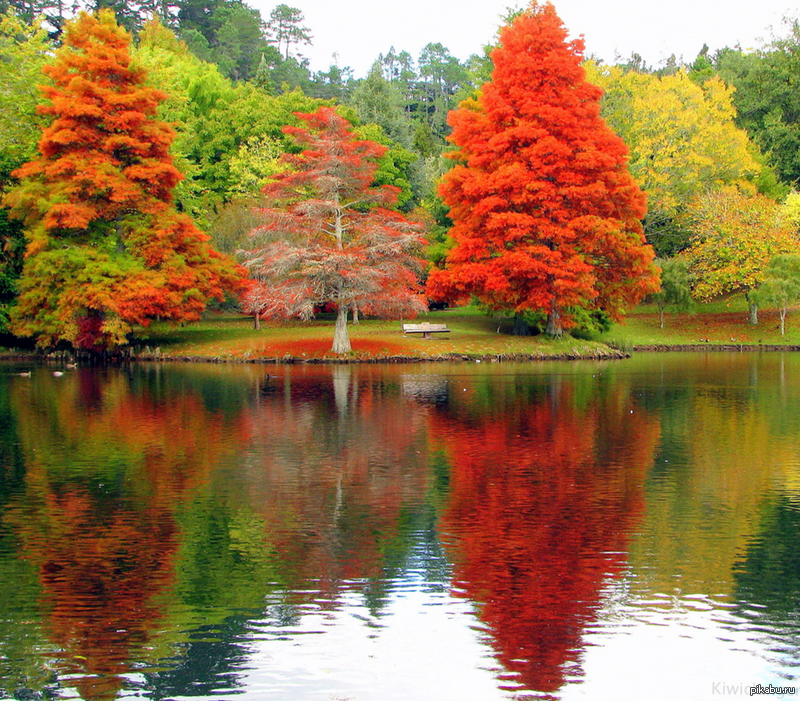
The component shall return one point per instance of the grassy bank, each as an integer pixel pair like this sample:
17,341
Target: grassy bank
472,335
722,324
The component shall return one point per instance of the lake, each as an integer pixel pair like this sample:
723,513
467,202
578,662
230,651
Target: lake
453,532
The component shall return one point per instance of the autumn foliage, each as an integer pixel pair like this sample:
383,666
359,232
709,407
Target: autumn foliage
735,235
106,249
330,235
546,215
683,140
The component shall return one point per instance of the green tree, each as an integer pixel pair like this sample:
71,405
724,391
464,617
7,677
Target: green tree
702,69
379,100
195,15
676,286
399,70
24,50
394,166
781,286
441,77
286,28
291,73
256,161
335,83
767,99
197,95
229,33
214,119
239,41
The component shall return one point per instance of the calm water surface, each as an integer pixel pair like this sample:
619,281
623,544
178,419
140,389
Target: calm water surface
626,530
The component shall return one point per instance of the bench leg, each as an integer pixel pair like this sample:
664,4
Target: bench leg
426,335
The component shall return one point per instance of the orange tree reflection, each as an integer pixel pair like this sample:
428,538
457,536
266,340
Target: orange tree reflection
546,485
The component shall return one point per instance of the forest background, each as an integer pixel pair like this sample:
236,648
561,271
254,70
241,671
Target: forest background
715,143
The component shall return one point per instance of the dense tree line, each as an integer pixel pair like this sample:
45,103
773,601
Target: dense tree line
726,122
233,82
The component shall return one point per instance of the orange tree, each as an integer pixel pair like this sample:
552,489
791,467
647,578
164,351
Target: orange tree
546,216
330,236
105,247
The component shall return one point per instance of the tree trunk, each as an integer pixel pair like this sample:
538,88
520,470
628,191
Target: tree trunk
354,307
120,237
783,319
661,316
256,322
521,326
753,312
554,323
341,340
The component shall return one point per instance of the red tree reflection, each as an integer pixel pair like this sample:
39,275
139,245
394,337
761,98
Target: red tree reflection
339,464
543,498
105,472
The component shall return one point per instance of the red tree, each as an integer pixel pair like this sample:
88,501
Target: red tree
330,238
106,249
546,215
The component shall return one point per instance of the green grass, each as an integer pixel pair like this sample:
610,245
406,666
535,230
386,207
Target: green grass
721,322
473,334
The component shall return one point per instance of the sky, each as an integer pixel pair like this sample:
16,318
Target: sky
357,31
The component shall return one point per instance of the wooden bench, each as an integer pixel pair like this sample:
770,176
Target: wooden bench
425,329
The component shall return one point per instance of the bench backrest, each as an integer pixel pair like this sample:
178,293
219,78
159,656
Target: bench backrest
425,327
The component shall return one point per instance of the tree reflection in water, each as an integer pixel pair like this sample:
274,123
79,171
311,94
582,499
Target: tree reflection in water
544,493
106,470
162,509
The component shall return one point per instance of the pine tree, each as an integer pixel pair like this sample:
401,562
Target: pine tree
106,249
546,215
331,237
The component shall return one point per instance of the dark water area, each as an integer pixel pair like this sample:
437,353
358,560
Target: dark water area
583,530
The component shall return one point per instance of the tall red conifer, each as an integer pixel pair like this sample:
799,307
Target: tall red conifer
106,249
546,216
330,237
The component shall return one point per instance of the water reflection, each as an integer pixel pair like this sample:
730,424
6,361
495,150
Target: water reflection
106,470
176,532
544,494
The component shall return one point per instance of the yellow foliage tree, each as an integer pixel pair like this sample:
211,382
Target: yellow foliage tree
790,210
735,235
682,140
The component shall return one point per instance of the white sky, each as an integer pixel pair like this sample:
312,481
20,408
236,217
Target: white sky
359,30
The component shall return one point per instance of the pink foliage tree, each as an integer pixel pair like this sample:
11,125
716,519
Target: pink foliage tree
329,237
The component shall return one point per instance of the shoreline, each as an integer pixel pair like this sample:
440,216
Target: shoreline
581,353
732,347
574,354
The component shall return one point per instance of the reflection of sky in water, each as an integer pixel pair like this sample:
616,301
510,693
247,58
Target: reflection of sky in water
423,643
692,647
426,645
